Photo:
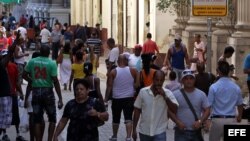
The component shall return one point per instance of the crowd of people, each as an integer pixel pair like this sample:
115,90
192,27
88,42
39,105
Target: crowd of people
135,85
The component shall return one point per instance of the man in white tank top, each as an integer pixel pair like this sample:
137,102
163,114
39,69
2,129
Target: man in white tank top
121,83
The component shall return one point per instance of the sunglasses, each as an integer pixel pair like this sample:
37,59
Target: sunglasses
187,72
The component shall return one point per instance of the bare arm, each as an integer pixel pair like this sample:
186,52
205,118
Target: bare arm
97,87
59,128
109,85
186,57
167,59
240,111
71,79
58,91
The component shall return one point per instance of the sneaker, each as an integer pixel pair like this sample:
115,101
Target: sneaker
5,138
112,138
20,138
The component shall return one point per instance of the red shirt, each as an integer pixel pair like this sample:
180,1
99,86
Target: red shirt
150,47
13,76
3,43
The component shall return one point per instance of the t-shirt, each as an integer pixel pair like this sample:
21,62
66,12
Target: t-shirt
96,43
45,35
3,43
78,71
42,69
23,32
13,76
199,101
149,47
135,62
82,127
114,54
247,65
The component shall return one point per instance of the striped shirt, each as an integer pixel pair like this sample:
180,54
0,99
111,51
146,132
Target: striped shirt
96,43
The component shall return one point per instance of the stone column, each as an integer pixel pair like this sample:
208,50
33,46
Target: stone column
195,25
183,15
225,27
120,22
240,40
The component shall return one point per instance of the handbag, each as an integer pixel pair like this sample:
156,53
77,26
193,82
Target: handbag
199,131
59,59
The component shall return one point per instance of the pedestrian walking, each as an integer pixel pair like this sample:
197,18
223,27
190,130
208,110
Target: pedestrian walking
64,59
113,54
199,52
94,82
224,97
150,47
228,52
193,109
173,84
153,101
56,37
177,56
28,105
83,113
203,80
77,69
135,60
120,86
42,73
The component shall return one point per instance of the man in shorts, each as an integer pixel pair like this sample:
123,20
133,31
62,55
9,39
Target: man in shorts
41,72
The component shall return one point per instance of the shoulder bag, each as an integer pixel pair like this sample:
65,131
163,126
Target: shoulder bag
199,131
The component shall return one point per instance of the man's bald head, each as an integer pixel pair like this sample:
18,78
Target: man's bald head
122,60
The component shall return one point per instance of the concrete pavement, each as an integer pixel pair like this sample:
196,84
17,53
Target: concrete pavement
105,131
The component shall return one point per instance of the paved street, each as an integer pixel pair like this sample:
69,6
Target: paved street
105,131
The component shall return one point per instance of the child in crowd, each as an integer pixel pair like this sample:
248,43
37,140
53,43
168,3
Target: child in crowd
173,84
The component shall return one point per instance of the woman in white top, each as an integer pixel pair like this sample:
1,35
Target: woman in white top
199,52
19,59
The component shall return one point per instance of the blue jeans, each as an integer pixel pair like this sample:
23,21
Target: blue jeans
185,135
159,137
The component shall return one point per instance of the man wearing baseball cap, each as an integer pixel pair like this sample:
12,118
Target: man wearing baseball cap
177,56
187,125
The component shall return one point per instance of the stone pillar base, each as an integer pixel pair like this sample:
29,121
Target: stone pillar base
241,46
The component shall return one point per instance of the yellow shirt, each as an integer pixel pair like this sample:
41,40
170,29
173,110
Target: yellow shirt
78,71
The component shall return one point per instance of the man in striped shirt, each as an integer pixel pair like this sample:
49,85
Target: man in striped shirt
95,42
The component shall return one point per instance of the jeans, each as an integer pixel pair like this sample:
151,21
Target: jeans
185,135
159,137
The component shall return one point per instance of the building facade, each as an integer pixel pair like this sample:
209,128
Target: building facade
127,21
56,9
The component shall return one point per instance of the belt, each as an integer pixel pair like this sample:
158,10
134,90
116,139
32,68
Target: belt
221,116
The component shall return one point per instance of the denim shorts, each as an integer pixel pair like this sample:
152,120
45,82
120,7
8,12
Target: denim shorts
43,99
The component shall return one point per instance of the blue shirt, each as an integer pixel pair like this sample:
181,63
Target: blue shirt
247,65
224,96
177,57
